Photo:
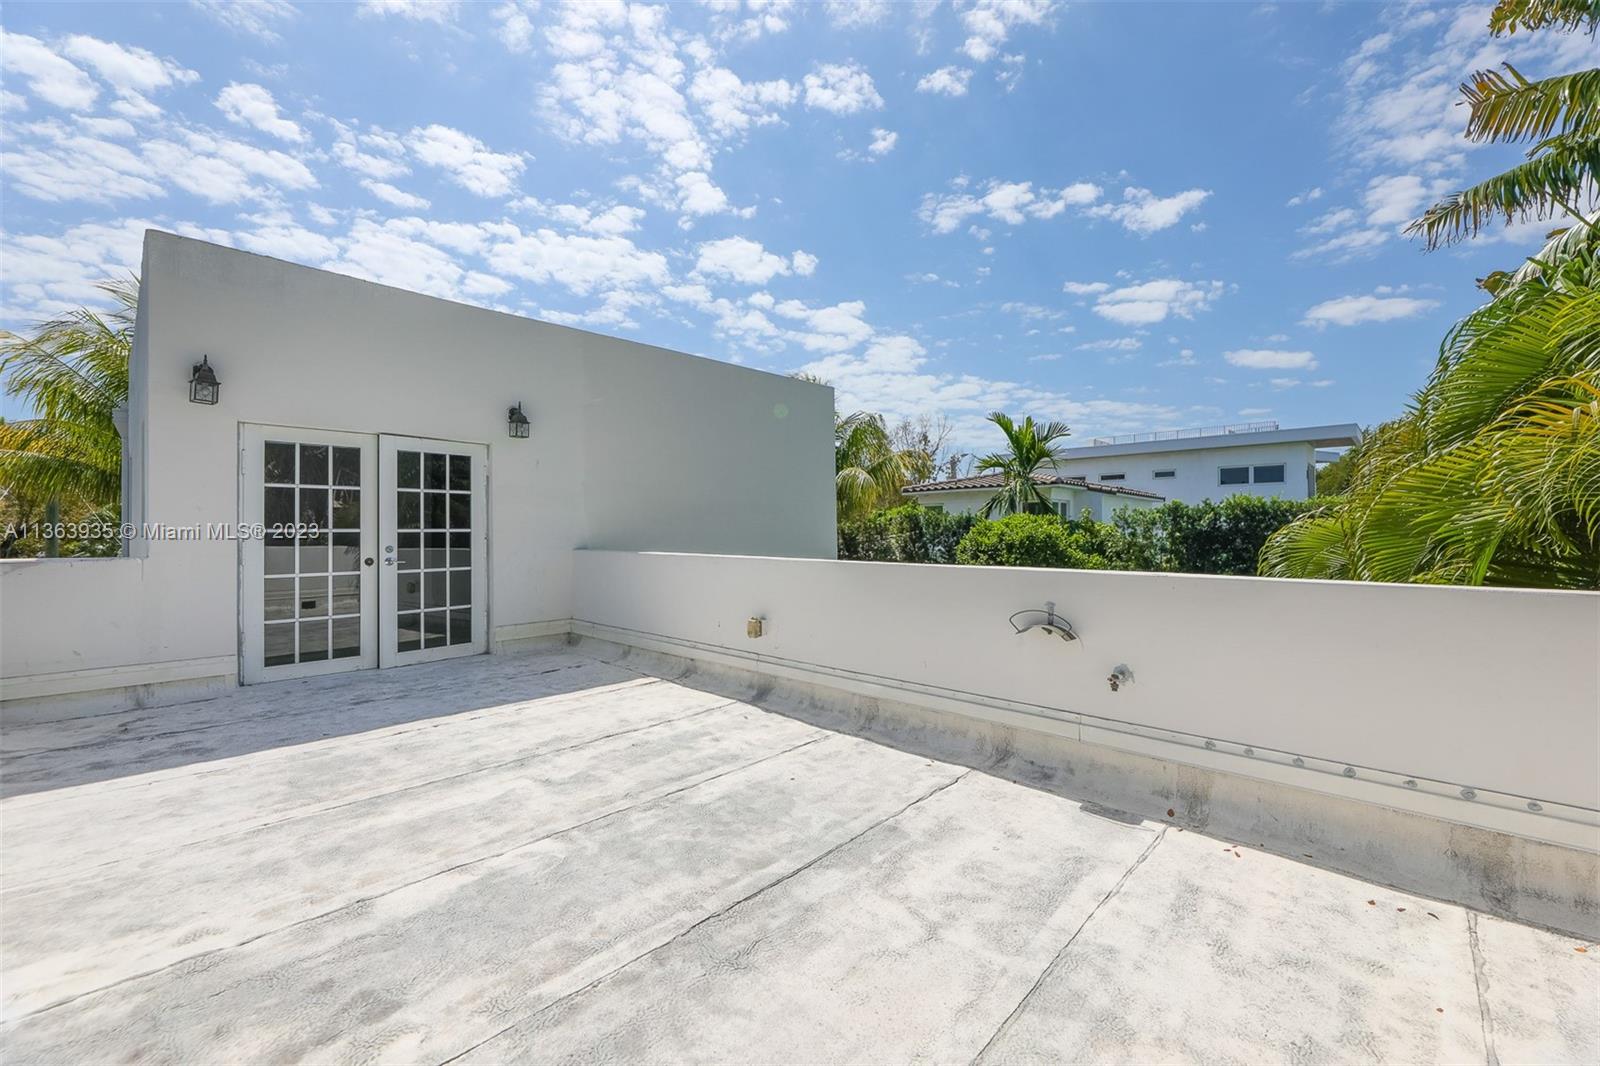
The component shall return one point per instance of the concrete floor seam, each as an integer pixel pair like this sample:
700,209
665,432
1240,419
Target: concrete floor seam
409,884
1056,959
1480,981
689,929
315,812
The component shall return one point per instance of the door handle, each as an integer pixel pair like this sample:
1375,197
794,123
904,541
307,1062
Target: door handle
388,560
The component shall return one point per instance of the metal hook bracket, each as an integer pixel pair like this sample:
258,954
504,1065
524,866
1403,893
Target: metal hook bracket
1046,621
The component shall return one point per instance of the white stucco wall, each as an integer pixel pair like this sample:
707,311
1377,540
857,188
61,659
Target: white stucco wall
1495,689
1197,470
632,447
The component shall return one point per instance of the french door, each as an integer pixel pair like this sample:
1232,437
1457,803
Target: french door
432,586
357,551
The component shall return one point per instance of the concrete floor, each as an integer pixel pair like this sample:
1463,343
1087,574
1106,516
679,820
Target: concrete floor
552,858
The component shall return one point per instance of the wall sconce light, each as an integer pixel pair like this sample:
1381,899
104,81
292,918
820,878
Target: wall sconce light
203,384
517,421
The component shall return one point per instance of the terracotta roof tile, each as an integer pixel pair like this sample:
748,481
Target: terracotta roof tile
994,481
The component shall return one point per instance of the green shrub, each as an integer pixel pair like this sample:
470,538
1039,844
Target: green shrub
1028,540
1200,538
909,533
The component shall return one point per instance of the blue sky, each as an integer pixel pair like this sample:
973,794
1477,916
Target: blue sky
1127,216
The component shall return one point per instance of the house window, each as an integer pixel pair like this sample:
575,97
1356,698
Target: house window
1165,473
1269,475
1234,475
935,507
1112,477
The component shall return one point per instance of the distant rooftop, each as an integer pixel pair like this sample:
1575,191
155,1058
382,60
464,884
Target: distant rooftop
1238,435
1184,434
995,481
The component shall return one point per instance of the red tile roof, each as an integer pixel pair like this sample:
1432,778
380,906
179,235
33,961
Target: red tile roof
995,481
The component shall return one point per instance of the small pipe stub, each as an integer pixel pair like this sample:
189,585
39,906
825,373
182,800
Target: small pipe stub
754,626
1120,676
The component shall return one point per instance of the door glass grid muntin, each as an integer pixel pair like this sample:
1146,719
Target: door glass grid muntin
311,583
433,549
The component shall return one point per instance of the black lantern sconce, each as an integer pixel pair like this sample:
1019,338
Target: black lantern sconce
517,421
203,384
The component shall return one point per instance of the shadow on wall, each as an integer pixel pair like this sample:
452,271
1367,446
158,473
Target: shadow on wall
284,714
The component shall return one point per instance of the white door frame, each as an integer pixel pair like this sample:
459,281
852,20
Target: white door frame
391,556
252,555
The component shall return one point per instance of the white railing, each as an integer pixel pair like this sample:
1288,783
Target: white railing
1185,434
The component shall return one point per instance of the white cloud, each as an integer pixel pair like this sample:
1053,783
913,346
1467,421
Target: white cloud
128,70
1396,199
699,195
391,195
855,14
375,153
466,160
51,78
46,275
1271,359
285,240
582,264
1011,202
950,81
1153,301
435,11
990,22
514,24
746,20
258,18
253,105
745,260
1306,197
883,142
842,88
733,105
610,220
1144,213
805,264
1355,310
220,170
836,328
54,163
1120,344
1084,288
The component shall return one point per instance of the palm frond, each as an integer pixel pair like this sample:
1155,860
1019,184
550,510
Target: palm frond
1509,16
1509,107
1541,188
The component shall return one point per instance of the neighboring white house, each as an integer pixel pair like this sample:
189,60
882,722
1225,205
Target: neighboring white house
1071,497
1256,458
382,418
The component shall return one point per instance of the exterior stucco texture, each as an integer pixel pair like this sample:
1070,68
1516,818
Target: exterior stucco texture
550,857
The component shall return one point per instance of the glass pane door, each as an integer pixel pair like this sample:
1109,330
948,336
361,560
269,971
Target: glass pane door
432,518
308,517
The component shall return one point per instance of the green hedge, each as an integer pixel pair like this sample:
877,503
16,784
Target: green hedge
1029,540
1200,538
909,533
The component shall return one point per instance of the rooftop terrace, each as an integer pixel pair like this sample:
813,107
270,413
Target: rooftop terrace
590,854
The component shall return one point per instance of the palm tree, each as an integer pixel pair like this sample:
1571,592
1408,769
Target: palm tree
869,471
1032,445
1493,476
73,372
1559,115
